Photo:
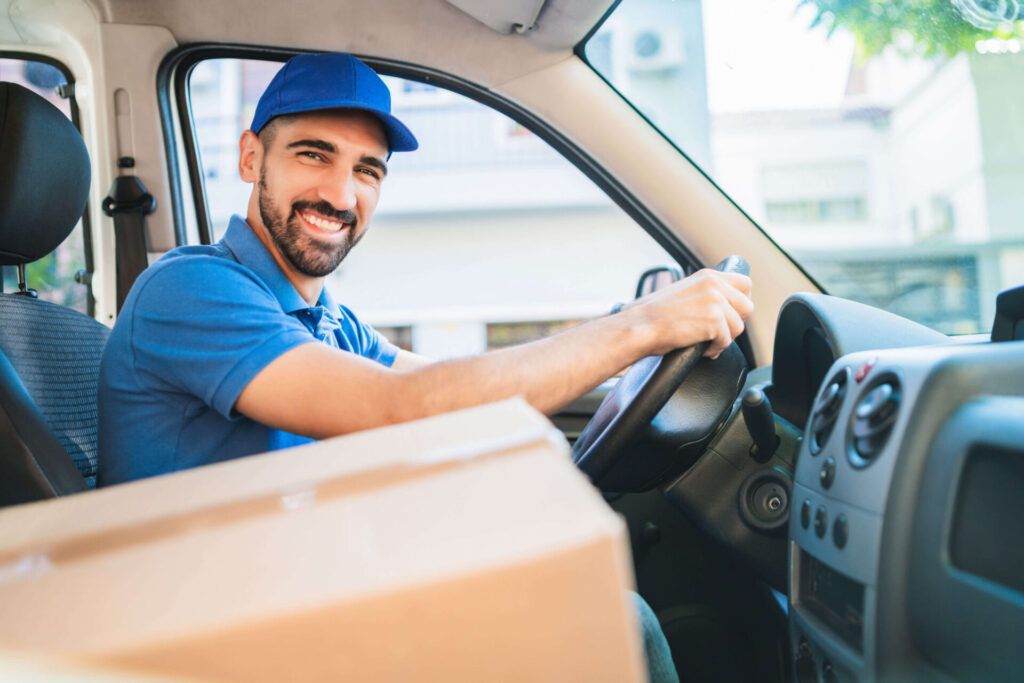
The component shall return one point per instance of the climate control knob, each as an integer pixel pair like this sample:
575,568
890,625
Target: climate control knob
873,419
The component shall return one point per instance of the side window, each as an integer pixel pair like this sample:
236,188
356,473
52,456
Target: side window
483,237
55,276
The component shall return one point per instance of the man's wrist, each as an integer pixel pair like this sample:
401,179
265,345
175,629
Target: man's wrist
638,328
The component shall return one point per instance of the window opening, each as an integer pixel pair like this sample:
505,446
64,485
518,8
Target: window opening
484,236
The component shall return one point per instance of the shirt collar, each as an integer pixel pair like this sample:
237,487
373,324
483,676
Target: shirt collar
248,250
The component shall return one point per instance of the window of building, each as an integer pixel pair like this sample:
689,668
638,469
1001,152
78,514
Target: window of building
500,335
831,192
399,335
55,276
835,210
939,292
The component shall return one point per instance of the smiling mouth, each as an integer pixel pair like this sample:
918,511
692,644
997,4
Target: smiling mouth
322,223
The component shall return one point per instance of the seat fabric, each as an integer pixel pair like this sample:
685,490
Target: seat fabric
56,353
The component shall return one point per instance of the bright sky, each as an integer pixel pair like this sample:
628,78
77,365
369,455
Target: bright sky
761,55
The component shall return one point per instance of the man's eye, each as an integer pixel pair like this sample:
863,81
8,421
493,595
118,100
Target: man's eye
372,172
312,155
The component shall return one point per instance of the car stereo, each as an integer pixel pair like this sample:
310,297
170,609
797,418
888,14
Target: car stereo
835,599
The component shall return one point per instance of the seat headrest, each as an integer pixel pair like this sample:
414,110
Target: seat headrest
44,176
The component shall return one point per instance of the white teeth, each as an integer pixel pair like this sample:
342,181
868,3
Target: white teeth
324,223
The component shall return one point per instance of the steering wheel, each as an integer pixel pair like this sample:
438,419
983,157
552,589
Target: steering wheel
636,398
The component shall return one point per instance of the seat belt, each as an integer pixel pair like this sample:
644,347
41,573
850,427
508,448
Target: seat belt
128,203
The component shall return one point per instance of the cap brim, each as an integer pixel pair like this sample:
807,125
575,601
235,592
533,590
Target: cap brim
400,138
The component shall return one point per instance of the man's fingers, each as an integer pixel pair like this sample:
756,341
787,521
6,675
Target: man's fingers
721,336
734,286
735,323
737,297
738,280
738,300
730,327
741,282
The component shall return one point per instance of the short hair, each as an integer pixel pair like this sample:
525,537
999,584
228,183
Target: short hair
269,130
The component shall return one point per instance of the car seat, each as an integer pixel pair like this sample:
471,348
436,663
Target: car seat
49,354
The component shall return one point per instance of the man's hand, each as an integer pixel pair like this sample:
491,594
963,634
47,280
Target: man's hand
706,306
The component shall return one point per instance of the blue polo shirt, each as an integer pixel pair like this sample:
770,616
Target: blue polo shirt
198,325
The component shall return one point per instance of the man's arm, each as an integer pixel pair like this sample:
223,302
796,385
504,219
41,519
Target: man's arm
319,391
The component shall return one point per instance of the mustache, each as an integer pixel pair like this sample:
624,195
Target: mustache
324,208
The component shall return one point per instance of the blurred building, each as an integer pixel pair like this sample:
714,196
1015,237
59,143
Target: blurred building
906,196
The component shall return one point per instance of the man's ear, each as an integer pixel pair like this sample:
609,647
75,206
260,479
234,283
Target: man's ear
250,157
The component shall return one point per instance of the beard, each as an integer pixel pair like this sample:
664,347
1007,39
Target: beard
307,254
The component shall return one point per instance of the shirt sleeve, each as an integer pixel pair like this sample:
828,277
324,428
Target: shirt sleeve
206,326
372,344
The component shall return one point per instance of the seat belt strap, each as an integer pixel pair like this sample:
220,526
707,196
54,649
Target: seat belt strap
128,203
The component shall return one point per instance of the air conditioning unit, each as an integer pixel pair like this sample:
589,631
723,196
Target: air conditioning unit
654,48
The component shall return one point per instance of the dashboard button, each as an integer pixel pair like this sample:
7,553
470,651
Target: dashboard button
805,514
820,522
863,370
806,671
828,473
840,531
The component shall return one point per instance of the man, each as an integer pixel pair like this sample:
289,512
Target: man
236,348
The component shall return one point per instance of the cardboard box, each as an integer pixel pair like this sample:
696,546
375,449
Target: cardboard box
20,668
464,547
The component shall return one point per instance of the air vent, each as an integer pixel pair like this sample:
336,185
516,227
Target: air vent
873,419
823,417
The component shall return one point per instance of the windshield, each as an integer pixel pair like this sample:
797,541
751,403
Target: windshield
880,143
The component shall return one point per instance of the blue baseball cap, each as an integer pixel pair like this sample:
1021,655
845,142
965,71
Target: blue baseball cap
313,82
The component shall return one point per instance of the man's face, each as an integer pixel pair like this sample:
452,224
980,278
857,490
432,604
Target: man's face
319,183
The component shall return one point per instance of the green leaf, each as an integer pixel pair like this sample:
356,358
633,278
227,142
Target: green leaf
934,27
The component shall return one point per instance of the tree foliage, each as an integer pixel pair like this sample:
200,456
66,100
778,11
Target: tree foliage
927,27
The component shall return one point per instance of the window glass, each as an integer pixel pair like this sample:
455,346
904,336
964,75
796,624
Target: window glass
510,334
483,237
52,276
400,335
880,143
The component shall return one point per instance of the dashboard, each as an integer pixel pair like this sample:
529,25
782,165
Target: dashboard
888,507
905,560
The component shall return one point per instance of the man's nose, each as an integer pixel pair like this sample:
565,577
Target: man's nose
339,189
